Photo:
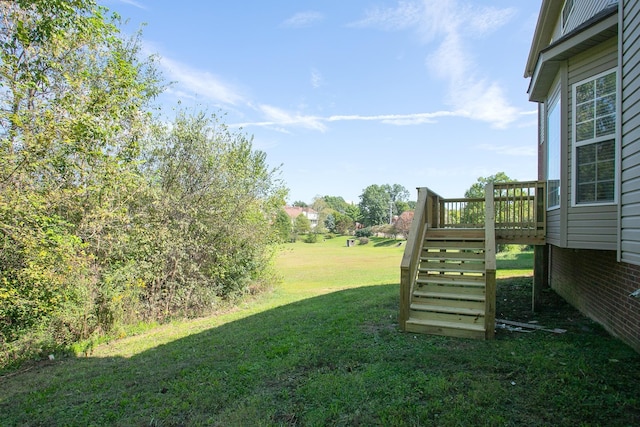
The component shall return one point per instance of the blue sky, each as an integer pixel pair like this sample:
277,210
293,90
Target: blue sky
345,94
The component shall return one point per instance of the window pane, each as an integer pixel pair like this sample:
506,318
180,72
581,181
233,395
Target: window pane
584,92
605,125
606,84
584,112
584,131
586,192
596,171
553,155
606,105
606,151
586,154
586,172
606,171
605,191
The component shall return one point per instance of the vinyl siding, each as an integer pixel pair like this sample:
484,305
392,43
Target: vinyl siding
553,227
583,10
589,227
630,172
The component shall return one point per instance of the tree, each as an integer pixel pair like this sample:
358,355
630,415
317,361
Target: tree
106,216
343,223
301,225
374,205
300,204
282,224
379,202
336,203
71,118
473,212
330,223
403,224
477,189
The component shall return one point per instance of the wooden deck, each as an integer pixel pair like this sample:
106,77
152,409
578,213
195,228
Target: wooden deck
448,269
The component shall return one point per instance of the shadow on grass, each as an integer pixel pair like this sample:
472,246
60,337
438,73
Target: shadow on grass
339,359
386,242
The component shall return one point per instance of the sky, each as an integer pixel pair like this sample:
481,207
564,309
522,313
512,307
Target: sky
341,95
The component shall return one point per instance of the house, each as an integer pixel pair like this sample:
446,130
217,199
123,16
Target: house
295,211
584,71
582,214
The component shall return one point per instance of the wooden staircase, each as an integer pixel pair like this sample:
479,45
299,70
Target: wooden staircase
449,294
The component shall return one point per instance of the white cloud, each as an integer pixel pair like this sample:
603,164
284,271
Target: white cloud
402,17
452,24
133,3
303,19
276,118
316,78
200,83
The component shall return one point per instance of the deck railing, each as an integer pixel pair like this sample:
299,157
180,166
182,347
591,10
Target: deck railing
519,212
517,216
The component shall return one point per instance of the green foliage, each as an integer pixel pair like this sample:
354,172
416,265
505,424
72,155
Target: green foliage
379,202
282,225
106,217
363,240
301,225
364,232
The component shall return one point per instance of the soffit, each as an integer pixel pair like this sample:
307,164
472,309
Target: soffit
552,57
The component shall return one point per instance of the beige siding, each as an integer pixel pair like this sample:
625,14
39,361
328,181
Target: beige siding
630,172
553,227
589,227
584,10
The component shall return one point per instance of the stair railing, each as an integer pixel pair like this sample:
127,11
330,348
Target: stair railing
490,263
426,215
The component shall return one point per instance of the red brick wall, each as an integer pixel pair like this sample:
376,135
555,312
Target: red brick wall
599,286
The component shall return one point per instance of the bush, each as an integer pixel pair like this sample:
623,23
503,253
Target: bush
363,240
311,238
364,232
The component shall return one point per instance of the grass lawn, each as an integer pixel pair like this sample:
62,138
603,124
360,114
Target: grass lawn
324,349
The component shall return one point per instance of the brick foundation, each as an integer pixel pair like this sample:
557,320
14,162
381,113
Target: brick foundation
599,286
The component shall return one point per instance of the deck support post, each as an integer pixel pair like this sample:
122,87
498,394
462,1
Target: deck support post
540,274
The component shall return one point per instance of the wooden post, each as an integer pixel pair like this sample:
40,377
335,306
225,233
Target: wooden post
490,263
540,274
410,258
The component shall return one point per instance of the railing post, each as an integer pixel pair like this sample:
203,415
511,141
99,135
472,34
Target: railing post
410,259
490,263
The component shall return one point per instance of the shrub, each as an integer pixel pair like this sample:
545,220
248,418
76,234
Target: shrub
364,232
363,240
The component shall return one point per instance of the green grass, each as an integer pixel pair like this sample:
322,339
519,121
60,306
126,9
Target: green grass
324,349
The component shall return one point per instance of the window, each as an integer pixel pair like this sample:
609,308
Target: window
553,154
594,130
566,11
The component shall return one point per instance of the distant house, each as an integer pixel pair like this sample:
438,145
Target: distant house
584,70
295,211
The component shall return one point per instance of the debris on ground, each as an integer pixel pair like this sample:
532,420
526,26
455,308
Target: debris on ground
525,327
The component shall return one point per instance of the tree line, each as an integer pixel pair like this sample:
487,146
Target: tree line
109,214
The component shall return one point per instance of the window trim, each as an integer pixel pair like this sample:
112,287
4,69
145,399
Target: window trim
553,102
613,136
566,13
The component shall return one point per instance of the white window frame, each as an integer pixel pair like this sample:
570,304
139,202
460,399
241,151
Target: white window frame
567,8
575,145
554,103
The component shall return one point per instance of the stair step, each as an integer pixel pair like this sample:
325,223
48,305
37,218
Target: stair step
452,267
445,309
451,303
449,295
456,233
454,244
452,256
453,329
451,280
